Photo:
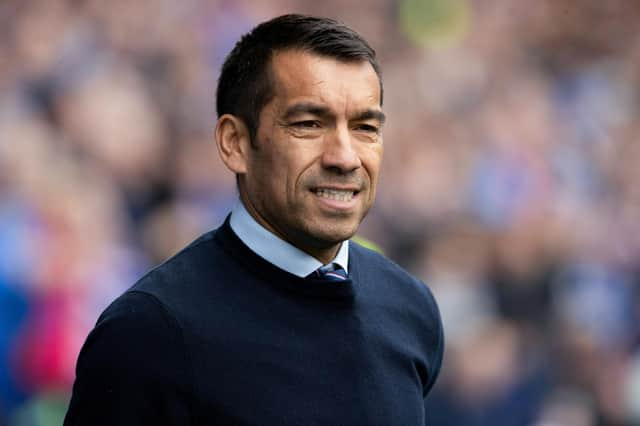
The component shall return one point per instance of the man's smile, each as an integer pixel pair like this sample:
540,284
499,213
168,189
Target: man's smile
336,194
337,199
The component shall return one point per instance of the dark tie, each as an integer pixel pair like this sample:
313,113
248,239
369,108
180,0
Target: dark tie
330,273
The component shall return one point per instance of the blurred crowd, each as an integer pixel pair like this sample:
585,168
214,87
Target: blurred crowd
511,185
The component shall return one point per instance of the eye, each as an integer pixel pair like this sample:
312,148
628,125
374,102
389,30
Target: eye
368,128
306,124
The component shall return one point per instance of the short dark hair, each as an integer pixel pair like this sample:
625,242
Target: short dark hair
245,85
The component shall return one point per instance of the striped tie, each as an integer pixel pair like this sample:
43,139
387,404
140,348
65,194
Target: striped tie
330,273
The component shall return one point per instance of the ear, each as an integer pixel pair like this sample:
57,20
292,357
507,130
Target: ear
232,140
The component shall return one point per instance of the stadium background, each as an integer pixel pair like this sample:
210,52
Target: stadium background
511,185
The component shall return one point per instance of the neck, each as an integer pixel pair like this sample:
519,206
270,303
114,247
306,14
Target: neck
325,255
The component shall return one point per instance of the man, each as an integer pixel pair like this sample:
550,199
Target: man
275,318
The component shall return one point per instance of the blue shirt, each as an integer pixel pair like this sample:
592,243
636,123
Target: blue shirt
275,250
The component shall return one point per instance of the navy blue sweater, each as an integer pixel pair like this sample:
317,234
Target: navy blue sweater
219,336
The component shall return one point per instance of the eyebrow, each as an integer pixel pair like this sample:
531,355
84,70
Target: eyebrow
371,114
307,108
323,111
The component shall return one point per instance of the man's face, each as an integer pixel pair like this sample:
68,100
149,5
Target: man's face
311,177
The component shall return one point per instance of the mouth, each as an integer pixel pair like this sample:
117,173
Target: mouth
343,195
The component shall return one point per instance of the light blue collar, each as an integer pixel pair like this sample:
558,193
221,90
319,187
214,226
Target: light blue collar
275,250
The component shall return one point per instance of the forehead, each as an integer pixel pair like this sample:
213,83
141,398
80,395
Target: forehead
299,75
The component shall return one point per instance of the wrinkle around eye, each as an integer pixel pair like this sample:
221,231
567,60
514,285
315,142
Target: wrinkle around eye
369,134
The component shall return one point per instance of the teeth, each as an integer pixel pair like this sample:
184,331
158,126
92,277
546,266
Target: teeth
333,194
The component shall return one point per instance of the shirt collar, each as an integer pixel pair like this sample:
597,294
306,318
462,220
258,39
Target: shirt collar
275,250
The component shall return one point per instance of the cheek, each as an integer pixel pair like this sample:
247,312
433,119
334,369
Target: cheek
372,160
286,176
266,176
300,166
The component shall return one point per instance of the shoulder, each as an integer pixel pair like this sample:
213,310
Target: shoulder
135,305
383,280
197,254
374,261
132,325
183,276
408,300
135,338
373,266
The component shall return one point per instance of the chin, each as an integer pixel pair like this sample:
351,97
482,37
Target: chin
334,234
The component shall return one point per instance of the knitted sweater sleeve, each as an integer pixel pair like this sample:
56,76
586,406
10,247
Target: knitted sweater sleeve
133,368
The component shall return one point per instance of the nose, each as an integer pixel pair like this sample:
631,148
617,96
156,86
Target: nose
339,152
